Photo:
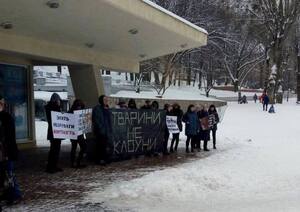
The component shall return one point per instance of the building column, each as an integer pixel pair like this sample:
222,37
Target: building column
87,83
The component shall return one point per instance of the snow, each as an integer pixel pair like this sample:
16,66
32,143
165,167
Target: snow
254,169
172,93
175,16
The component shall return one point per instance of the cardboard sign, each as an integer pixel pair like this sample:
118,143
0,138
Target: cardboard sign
71,125
84,121
64,125
172,124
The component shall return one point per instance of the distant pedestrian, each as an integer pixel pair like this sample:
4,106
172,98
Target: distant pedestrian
53,105
272,109
213,122
255,98
81,141
8,154
176,111
102,129
191,127
244,100
265,101
132,104
204,127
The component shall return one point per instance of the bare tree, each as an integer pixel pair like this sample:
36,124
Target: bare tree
277,17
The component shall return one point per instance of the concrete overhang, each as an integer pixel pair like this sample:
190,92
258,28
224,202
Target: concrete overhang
114,34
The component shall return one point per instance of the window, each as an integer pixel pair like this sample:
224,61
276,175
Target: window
14,88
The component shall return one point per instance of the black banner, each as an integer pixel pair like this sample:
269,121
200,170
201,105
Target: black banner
136,132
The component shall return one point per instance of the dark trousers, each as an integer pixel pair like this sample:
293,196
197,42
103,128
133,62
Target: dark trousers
214,133
197,141
190,139
166,140
11,191
101,148
175,138
53,155
82,145
265,107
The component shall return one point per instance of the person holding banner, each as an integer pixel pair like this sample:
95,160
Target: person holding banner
176,111
213,122
102,129
77,105
53,105
191,127
168,109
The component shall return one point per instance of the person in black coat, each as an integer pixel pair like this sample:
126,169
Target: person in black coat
132,104
8,134
213,120
147,105
8,154
102,129
77,105
168,109
204,127
53,105
176,111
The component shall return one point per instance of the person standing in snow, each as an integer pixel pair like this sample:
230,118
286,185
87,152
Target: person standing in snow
265,101
102,129
168,109
204,126
191,127
77,105
147,105
214,120
255,98
132,104
155,105
176,111
53,105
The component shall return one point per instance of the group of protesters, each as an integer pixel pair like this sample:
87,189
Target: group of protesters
199,123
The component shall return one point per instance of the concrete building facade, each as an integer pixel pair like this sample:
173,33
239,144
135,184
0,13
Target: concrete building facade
85,36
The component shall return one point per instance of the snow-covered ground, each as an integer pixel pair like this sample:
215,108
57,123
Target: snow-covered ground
254,169
172,93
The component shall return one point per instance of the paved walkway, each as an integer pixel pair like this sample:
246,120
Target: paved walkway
65,191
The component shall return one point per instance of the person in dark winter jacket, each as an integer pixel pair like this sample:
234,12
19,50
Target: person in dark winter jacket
155,105
102,129
204,126
213,122
132,104
8,154
147,105
77,105
265,101
176,111
191,127
53,105
168,109
255,97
